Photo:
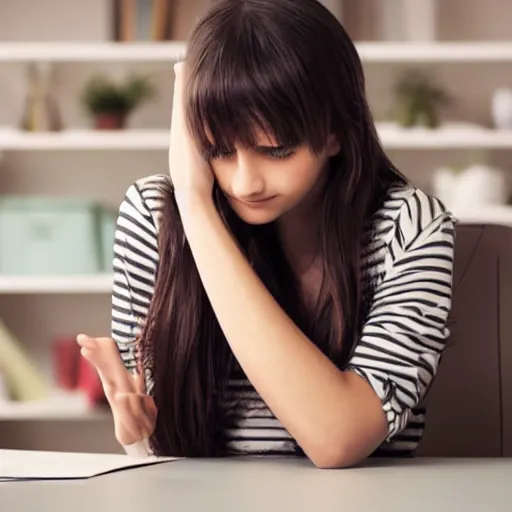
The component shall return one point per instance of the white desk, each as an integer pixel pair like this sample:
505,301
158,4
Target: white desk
284,485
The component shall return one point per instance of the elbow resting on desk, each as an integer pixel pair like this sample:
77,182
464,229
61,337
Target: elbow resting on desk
351,431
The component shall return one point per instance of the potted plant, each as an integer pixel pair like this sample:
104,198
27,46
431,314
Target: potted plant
418,99
110,103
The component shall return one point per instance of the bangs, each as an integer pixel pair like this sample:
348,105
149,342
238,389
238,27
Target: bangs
247,84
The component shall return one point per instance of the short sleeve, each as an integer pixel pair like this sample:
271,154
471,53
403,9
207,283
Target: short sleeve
405,332
135,264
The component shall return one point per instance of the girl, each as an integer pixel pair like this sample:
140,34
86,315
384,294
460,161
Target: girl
292,287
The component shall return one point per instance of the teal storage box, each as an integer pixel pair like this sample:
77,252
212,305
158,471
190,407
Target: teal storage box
49,236
108,233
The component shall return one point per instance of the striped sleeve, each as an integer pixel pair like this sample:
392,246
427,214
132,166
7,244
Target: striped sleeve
135,263
405,332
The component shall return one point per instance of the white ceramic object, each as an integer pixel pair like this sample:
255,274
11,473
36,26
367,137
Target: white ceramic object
479,185
502,108
444,185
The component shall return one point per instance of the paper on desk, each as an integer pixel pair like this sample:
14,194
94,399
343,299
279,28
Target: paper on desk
40,465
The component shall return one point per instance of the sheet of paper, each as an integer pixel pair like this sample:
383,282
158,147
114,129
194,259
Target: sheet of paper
34,465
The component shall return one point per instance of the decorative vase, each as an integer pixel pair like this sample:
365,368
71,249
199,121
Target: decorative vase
110,121
501,108
40,111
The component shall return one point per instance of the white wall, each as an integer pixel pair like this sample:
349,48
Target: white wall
55,20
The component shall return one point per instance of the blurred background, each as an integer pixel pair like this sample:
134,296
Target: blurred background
86,97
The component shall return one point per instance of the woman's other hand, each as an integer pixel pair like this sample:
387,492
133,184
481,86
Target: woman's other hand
133,410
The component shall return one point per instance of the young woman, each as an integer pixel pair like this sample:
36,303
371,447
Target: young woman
284,290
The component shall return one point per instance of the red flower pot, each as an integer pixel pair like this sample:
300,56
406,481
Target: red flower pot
110,121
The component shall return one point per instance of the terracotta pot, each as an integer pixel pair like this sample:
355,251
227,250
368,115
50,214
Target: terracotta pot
110,121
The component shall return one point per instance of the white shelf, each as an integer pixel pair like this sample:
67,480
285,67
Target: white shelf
500,215
63,407
175,50
93,284
450,136
436,52
92,52
84,140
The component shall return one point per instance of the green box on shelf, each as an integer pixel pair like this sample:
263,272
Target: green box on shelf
108,231
50,236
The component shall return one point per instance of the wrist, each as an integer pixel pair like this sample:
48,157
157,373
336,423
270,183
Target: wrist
191,201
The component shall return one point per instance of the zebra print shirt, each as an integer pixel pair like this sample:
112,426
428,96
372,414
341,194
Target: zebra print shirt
410,260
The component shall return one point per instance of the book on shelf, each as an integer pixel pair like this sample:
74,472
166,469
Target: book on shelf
20,374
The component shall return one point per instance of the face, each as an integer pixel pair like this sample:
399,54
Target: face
265,182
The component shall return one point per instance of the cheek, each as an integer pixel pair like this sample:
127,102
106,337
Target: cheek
221,173
303,175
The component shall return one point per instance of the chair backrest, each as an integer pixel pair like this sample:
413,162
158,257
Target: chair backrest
469,407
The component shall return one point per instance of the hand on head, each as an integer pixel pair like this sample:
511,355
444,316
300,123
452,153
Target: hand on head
190,174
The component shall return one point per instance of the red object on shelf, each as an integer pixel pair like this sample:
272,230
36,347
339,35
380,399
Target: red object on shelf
90,383
66,360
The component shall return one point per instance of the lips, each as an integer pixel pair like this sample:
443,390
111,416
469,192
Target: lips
258,201
252,202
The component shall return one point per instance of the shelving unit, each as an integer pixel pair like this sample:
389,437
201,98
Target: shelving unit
84,140
175,50
93,284
450,136
492,214
61,407
476,52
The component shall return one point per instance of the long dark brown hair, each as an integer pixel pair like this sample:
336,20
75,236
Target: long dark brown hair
289,68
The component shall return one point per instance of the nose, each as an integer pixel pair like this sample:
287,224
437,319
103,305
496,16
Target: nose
248,183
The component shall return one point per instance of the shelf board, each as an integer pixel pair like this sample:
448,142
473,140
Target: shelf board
92,52
87,284
63,407
500,215
454,52
175,50
102,284
11,139
449,136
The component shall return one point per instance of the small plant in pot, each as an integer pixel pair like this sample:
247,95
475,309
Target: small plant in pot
110,103
418,99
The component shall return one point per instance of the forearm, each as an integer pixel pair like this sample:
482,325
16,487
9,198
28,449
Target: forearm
304,389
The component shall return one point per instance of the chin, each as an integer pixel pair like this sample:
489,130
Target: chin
256,217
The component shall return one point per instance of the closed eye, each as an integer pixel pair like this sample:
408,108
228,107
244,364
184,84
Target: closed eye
215,152
278,152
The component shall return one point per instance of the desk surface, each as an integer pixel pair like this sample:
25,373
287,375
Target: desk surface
278,485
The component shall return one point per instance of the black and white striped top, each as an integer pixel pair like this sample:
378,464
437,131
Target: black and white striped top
410,258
